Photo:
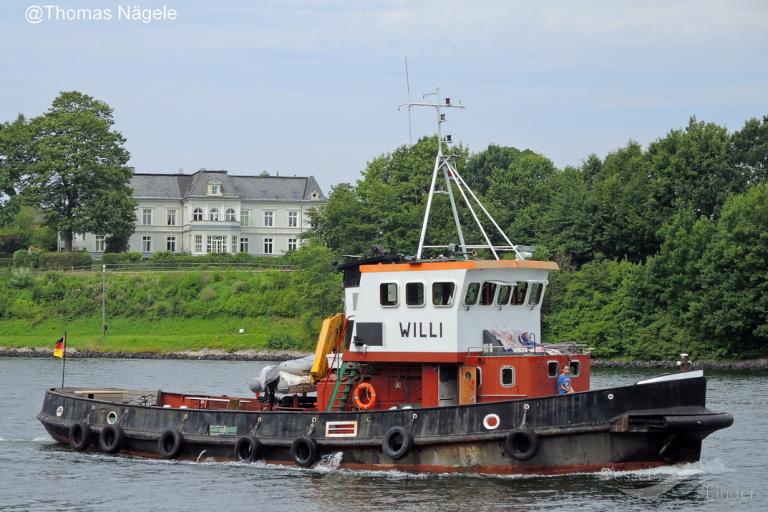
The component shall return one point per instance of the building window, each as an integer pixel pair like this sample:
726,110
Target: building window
198,243
216,243
293,243
170,244
213,214
518,295
293,219
229,215
233,243
244,244
414,294
269,219
267,246
197,214
100,243
214,188
245,217
146,243
388,294
171,217
507,376
442,294
146,216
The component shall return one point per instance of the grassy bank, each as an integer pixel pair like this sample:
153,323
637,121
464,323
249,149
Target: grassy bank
157,336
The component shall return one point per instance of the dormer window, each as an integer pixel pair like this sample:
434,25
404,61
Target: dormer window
214,188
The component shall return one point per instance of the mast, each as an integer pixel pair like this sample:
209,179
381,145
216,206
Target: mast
445,167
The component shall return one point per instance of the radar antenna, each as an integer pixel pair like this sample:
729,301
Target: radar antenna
444,165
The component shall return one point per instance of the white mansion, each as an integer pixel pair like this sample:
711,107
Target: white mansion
211,211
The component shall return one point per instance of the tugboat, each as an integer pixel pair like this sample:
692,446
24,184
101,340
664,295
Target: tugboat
437,365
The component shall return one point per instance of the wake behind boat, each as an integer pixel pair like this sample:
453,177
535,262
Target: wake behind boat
436,365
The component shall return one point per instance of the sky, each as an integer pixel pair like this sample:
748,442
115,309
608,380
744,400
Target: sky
313,87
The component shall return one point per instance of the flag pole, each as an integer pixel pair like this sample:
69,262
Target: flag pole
64,359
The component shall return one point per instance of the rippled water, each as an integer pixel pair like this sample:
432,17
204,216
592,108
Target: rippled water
37,474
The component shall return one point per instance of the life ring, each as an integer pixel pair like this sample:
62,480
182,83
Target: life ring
397,443
247,449
522,444
111,438
304,451
370,402
169,444
79,435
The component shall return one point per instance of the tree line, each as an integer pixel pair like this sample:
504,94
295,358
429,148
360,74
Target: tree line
661,249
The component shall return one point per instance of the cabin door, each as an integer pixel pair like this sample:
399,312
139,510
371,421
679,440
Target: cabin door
467,385
448,387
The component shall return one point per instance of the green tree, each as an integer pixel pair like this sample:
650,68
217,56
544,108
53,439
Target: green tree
15,157
734,280
749,147
77,175
694,168
519,194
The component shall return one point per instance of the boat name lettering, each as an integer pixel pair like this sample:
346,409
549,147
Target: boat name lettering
421,329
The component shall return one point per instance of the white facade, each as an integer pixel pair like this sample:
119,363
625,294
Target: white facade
212,212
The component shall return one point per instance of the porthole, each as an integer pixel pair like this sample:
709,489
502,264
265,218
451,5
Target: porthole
111,417
59,410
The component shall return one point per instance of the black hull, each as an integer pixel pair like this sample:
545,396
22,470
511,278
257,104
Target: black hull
621,428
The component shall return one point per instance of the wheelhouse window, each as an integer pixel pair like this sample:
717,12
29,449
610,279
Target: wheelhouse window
553,369
171,217
229,215
197,214
487,293
518,295
213,214
146,216
414,294
388,294
473,291
505,291
442,294
508,376
535,296
575,368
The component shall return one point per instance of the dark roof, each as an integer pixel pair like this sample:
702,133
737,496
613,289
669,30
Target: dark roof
180,186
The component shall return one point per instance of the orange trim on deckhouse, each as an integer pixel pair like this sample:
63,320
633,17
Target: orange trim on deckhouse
458,265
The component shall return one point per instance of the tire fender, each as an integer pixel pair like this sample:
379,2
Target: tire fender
522,444
397,443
